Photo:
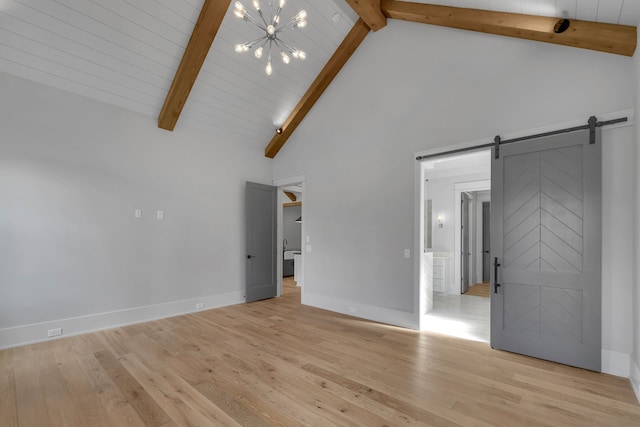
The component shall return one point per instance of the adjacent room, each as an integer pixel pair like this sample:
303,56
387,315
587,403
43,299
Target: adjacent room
347,212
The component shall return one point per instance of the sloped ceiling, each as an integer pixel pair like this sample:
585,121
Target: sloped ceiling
126,52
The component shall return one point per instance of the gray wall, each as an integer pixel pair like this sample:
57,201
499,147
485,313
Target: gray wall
455,87
291,230
72,172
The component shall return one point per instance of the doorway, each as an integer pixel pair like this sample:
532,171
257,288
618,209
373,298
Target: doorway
290,231
454,189
475,232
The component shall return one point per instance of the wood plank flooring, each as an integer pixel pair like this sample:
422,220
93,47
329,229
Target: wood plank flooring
479,290
278,363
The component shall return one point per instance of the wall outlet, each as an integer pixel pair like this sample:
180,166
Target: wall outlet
160,214
199,306
54,332
137,213
407,253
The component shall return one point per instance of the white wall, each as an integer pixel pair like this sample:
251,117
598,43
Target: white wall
72,172
635,363
357,144
442,192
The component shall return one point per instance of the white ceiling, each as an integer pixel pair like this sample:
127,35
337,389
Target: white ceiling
126,52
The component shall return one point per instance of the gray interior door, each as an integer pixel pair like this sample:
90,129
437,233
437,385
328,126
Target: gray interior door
546,239
260,205
465,251
486,241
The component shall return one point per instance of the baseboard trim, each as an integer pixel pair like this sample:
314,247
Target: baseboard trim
635,379
377,314
35,333
616,363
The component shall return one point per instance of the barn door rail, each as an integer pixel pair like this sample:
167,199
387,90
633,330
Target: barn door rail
591,126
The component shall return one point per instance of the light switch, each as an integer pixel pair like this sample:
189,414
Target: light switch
160,215
407,253
138,213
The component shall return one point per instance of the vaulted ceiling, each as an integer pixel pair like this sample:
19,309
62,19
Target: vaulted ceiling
127,52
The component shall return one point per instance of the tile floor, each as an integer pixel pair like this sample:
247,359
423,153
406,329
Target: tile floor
462,316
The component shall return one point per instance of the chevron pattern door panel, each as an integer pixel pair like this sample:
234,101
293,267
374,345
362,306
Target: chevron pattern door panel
539,216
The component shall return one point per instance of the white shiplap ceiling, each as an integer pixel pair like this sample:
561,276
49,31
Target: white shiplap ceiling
126,52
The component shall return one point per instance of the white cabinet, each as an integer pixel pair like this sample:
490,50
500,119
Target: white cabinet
441,271
297,256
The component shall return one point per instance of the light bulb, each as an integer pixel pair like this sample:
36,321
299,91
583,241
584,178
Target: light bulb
239,13
240,48
302,23
256,4
295,54
301,55
285,57
239,5
302,14
271,29
268,69
282,2
276,19
258,52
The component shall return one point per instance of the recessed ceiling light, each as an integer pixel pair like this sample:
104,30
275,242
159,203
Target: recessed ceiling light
336,18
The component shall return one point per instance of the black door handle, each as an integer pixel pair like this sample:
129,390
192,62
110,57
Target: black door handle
496,285
250,256
486,252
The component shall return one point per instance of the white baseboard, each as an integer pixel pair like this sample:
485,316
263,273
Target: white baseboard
635,379
34,333
377,314
616,363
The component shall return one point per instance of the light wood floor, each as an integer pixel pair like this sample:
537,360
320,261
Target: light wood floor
276,362
479,290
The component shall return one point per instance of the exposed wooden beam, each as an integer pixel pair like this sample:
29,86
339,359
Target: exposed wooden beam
611,38
291,196
292,204
204,32
370,12
320,84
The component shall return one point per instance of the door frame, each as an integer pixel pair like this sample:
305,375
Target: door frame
458,189
280,183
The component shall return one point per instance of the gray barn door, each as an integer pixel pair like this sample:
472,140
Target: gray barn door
546,239
260,205
465,250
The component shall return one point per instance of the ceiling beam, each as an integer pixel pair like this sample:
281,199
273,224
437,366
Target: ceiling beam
370,12
205,30
320,84
611,38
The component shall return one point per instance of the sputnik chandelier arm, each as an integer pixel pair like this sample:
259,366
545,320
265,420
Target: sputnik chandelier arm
272,31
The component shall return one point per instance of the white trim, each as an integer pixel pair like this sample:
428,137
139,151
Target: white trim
616,363
353,308
550,128
288,180
635,378
37,332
